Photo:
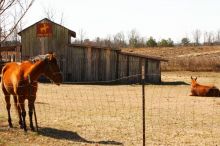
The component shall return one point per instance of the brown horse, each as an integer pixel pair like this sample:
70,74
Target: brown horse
203,90
20,80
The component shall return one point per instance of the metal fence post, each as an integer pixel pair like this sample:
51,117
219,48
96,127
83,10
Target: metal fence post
143,98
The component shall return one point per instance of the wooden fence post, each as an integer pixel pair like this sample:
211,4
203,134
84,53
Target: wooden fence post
143,98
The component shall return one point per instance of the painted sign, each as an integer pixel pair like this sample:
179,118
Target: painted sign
44,29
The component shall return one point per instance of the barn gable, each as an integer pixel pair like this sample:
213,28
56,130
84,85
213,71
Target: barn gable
44,36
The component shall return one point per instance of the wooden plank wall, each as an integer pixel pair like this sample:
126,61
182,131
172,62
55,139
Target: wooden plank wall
84,63
153,71
87,64
130,66
33,45
122,67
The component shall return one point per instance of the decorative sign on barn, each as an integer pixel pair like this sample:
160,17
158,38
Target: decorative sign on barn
44,29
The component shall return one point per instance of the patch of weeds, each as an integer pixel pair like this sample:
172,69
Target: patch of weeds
2,142
2,118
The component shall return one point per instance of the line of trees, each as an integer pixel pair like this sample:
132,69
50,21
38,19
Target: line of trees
13,11
134,40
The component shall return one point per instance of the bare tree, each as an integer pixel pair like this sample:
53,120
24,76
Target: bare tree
8,23
50,13
217,37
81,34
142,42
108,41
205,36
62,18
14,37
210,38
119,40
196,36
133,37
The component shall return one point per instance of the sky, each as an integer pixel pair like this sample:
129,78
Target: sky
173,19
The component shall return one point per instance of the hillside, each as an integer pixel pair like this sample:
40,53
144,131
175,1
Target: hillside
198,58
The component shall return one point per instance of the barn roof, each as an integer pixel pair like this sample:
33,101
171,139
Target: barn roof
93,46
72,33
9,48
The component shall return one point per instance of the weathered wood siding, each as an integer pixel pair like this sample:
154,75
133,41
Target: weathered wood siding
85,64
33,45
130,66
153,71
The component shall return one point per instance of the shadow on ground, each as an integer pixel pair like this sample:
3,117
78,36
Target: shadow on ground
174,83
71,136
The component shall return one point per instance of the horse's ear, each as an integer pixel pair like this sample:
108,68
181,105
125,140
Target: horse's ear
195,78
48,57
191,78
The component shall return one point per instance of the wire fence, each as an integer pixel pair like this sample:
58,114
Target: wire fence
112,114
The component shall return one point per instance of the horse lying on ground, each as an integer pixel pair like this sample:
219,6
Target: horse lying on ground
20,80
203,90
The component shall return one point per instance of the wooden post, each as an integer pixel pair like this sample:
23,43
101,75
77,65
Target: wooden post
89,64
143,98
117,65
107,65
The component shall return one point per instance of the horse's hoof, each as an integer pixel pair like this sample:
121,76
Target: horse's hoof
21,126
25,129
10,126
32,129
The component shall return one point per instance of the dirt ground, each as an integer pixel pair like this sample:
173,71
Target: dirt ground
95,115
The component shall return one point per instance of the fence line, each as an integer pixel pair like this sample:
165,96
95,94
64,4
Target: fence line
113,113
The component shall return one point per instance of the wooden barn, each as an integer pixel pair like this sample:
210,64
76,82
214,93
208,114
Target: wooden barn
85,63
10,53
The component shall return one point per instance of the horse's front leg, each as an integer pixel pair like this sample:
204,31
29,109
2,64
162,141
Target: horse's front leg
31,101
23,112
8,106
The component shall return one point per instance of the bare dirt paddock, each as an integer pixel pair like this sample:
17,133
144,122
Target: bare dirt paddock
112,115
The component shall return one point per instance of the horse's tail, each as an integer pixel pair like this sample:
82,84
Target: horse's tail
4,68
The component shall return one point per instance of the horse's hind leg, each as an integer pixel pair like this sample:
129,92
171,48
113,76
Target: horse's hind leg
23,112
18,109
8,107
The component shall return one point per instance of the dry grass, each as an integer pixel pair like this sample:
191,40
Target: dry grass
111,114
200,58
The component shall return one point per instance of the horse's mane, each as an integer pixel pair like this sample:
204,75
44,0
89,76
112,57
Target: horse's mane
38,58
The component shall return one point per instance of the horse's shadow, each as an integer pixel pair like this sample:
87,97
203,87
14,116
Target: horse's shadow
71,136
174,83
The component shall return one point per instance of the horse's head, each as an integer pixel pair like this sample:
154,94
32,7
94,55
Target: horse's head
52,70
193,81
